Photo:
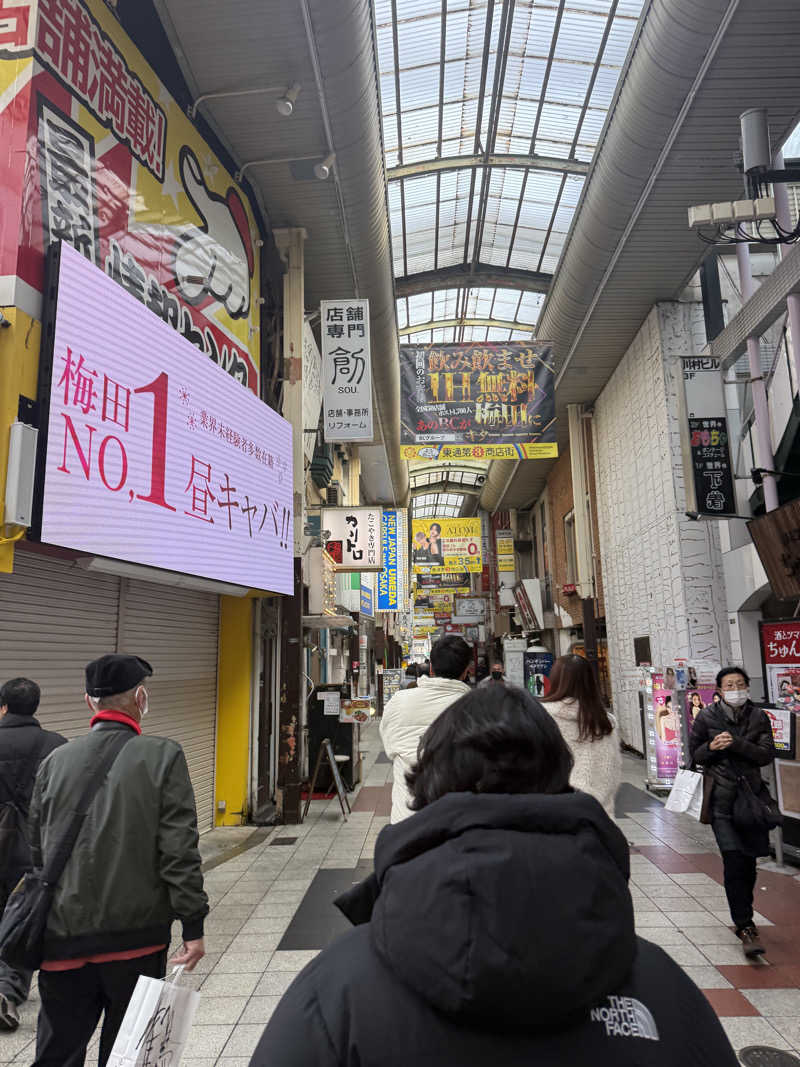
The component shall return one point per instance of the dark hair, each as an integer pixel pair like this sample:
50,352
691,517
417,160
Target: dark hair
732,670
692,697
412,671
438,526
496,740
21,696
572,678
450,656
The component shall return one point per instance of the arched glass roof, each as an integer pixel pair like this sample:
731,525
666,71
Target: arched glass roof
492,112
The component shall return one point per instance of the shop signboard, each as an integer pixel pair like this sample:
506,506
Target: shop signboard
346,370
708,451
354,538
504,547
514,660
471,609
116,168
357,710
538,664
780,653
694,702
389,577
776,536
312,390
366,602
392,683
478,401
446,546
456,582
151,455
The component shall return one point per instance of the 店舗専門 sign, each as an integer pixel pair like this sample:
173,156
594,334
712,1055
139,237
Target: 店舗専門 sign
346,370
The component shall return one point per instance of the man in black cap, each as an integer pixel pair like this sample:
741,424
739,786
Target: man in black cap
23,746
134,868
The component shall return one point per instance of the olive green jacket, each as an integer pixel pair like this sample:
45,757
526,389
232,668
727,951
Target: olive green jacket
135,866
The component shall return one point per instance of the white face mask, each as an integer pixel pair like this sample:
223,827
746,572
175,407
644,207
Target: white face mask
736,697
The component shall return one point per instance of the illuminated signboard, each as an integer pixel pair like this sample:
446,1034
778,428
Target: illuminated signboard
153,454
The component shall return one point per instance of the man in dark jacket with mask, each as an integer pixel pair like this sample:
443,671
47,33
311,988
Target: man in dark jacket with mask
23,746
498,926
134,868
732,740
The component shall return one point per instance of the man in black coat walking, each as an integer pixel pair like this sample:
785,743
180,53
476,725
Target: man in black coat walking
23,746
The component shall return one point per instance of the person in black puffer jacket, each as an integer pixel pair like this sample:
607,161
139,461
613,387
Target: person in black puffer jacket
497,927
23,746
732,740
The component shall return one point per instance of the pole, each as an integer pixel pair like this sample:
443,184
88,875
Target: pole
291,706
765,456
783,213
760,406
583,531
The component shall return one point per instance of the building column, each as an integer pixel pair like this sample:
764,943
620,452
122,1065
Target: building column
583,529
234,708
291,707
760,405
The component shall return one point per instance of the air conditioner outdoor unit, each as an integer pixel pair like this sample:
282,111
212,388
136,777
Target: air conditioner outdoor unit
334,495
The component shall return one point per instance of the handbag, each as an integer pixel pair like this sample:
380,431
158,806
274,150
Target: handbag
155,1029
24,920
686,794
755,811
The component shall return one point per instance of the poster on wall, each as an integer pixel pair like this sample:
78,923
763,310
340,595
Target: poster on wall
107,161
456,581
478,401
695,701
346,370
440,546
151,455
357,710
354,538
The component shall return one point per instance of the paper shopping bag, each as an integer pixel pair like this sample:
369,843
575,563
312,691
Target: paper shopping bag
156,1026
686,794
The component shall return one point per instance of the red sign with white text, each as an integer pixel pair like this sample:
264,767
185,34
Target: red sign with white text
154,456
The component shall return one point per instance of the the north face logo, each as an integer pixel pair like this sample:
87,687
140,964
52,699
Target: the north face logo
626,1017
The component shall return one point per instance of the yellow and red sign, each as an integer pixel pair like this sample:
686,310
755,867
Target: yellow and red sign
440,546
99,155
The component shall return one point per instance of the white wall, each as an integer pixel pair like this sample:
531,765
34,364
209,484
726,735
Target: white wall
662,573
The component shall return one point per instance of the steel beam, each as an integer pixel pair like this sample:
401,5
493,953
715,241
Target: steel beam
434,166
484,276
444,324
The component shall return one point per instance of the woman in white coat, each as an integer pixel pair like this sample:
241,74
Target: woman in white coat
576,704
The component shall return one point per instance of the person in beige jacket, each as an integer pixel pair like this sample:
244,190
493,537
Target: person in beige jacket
576,704
410,712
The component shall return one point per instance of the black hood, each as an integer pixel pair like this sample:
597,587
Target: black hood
506,911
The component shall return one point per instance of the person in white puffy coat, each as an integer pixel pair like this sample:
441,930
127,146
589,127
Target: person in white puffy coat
576,704
410,712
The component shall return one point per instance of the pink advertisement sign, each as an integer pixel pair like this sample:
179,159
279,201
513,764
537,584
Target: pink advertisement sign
668,730
154,454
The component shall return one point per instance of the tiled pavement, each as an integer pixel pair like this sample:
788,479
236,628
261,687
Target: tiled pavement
270,915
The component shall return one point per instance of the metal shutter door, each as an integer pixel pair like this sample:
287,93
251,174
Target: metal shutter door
54,619
176,630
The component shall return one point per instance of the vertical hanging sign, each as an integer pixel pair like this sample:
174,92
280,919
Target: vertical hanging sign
388,577
346,370
706,451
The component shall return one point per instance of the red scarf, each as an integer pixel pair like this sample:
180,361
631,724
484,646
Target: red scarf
116,716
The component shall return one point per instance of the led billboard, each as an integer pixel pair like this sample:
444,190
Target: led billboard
153,454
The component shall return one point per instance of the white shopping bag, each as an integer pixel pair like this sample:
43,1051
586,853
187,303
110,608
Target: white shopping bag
686,794
156,1026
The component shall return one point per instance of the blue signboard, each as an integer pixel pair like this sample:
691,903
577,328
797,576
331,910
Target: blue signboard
366,601
387,578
